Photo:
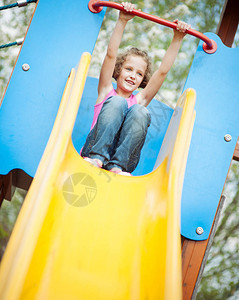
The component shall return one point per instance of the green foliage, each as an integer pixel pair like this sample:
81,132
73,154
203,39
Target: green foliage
8,214
13,25
220,279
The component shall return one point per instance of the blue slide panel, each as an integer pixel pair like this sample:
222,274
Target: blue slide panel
59,33
215,80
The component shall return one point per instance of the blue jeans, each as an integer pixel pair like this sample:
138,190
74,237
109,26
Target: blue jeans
118,135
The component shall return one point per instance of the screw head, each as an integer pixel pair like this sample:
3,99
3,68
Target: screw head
199,230
227,137
25,67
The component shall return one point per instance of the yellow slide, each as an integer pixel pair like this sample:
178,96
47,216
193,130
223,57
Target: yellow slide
85,233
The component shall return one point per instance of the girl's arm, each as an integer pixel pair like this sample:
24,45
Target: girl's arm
146,95
107,69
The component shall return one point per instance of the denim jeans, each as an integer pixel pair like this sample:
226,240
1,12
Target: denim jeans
118,135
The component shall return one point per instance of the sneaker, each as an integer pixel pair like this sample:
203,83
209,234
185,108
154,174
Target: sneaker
125,173
93,162
120,172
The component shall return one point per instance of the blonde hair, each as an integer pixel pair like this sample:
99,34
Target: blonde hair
136,52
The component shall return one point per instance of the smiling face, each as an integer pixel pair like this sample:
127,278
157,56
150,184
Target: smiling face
131,75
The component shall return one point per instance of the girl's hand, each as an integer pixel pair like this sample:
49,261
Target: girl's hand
180,31
128,7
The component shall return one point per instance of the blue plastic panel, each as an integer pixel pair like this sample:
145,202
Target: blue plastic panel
59,33
215,78
160,115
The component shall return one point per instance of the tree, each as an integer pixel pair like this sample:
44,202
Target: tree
8,214
13,25
220,278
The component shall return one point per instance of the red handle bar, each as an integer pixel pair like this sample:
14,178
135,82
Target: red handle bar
96,6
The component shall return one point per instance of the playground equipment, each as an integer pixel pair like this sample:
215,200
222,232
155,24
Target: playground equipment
19,3
120,237
110,234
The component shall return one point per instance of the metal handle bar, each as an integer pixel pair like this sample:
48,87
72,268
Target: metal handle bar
209,46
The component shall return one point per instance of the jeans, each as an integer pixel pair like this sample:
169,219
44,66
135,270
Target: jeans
118,135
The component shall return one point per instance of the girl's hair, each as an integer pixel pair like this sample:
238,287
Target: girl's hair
136,52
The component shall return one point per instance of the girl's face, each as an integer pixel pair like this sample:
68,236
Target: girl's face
131,75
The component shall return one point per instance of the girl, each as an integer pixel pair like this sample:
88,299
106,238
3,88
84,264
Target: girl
121,119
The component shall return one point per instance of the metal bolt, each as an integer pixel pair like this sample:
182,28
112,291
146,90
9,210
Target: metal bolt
199,230
227,137
25,67
22,3
20,41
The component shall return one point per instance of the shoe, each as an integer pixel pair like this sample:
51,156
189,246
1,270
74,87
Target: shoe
120,172
92,161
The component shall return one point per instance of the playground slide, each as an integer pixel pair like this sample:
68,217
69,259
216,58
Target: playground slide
85,233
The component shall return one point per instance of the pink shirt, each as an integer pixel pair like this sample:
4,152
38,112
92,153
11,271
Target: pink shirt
97,108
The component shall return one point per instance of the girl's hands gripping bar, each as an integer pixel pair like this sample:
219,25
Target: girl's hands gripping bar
126,13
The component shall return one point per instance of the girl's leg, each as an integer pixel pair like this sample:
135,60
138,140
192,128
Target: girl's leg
131,139
101,138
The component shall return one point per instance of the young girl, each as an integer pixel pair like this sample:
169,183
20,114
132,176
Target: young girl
121,119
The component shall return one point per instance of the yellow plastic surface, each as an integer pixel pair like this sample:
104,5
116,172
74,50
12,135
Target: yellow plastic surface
85,233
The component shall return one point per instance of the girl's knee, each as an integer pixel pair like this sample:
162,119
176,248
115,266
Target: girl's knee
141,112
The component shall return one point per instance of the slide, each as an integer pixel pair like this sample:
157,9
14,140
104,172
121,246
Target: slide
85,233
